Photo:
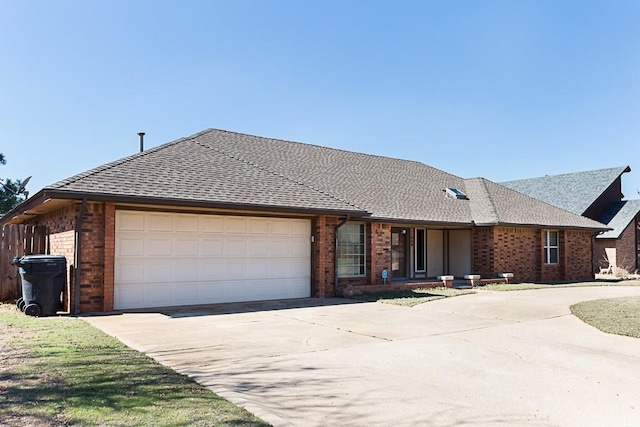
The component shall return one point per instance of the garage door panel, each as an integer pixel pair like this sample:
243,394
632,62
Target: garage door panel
131,221
279,247
158,246
299,228
280,227
258,248
186,224
258,268
183,293
179,259
159,222
211,224
233,290
129,296
235,247
158,295
296,286
130,271
235,225
299,269
258,226
211,269
158,271
299,247
187,269
209,292
130,246
186,247
211,246
234,269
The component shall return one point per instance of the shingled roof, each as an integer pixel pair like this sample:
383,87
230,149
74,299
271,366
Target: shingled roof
574,192
618,217
494,204
186,170
221,168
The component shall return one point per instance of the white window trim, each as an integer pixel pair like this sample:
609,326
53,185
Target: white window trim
424,250
548,247
364,248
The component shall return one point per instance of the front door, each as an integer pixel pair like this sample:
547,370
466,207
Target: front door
399,253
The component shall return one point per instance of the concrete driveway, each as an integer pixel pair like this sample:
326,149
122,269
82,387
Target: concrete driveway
493,358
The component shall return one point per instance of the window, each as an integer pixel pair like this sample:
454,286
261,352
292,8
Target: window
421,253
351,250
550,247
454,193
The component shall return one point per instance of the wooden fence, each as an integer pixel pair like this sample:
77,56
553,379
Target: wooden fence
15,241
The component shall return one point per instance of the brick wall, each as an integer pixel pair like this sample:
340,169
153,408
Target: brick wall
378,247
577,255
379,252
92,259
483,251
109,254
323,252
521,251
507,249
626,248
61,226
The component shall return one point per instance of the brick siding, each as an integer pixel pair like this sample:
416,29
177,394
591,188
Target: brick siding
494,249
520,251
61,227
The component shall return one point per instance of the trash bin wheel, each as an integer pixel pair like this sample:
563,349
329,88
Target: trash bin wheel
20,303
32,310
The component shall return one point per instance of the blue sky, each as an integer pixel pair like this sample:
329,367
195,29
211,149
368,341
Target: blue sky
499,89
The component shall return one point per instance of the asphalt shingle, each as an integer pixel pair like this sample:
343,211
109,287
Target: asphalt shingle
221,167
618,217
574,192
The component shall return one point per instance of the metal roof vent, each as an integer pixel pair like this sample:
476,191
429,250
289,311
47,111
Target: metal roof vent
454,193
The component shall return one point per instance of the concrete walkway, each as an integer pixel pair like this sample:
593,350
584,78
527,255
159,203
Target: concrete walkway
493,358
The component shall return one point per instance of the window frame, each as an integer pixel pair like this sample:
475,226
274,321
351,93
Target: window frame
549,248
349,252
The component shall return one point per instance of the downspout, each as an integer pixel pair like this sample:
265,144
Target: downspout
335,255
76,302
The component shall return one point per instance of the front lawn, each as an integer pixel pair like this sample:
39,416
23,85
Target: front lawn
60,371
527,286
619,316
412,297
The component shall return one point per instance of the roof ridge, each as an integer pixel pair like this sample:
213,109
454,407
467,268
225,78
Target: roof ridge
111,165
327,148
483,186
265,169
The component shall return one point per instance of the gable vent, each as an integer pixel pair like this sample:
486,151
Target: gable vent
454,193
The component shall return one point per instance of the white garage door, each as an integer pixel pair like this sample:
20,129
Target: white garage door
165,259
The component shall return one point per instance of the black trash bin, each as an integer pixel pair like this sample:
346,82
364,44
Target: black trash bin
43,278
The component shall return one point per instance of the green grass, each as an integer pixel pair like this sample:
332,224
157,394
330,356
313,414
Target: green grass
619,316
62,371
410,298
527,286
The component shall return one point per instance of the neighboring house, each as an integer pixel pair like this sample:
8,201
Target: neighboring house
222,216
595,194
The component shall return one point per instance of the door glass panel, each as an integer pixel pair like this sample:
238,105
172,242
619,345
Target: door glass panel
398,252
420,250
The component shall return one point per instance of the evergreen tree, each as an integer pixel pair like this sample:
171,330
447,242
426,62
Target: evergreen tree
9,195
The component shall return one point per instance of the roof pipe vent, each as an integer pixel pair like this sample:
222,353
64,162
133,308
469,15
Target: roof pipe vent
141,135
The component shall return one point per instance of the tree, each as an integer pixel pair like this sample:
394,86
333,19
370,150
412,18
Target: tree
10,193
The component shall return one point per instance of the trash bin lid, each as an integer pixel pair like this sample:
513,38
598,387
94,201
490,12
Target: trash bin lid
41,259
